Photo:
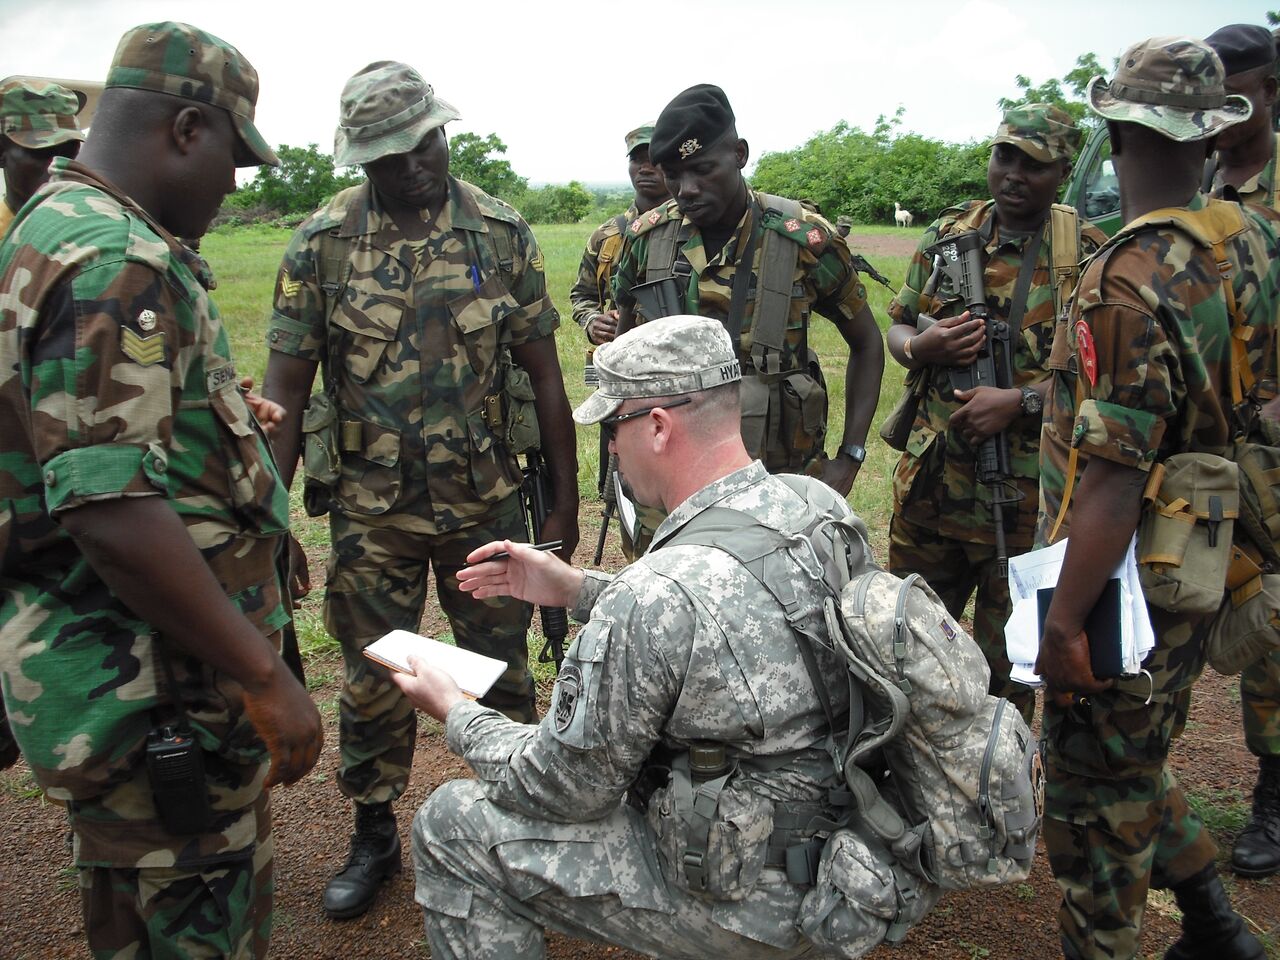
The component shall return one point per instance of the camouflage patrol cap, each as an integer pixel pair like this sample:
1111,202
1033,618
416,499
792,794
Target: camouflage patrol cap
639,137
185,61
662,358
387,108
844,220
1242,47
1040,130
37,114
695,119
1172,85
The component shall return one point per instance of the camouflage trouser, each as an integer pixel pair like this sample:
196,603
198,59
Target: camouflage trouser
1260,704
1116,821
490,881
221,909
377,582
956,569
8,746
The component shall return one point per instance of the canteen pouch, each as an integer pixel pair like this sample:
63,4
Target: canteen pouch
1185,533
803,412
321,458
712,839
1247,625
860,898
512,414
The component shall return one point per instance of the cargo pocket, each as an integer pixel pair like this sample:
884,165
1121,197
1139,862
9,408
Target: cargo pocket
478,316
908,470
1185,533
257,495
1247,627
321,459
370,480
803,414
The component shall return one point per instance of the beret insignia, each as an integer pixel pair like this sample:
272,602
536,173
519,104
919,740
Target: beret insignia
689,148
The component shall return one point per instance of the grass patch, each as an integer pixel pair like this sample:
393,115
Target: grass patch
20,785
1223,811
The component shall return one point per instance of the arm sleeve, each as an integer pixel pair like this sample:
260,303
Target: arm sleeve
106,379
905,307
839,293
537,316
584,298
297,325
611,700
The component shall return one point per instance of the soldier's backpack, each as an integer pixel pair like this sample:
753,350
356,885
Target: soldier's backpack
943,777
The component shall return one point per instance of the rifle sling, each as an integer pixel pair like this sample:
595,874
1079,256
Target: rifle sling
1018,306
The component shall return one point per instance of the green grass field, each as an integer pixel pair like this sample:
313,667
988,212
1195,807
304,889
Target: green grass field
245,261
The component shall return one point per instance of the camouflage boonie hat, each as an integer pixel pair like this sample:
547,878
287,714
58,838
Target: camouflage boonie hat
387,108
37,114
1040,130
1172,85
639,137
185,61
673,355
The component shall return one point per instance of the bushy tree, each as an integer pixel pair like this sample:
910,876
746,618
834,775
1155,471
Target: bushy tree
304,180
1072,100
556,203
470,159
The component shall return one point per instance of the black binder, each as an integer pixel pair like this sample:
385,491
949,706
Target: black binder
1101,626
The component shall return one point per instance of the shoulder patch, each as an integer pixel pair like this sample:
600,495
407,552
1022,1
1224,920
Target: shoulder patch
805,231
665,213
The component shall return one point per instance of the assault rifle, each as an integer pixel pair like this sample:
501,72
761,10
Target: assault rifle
863,266
536,495
959,258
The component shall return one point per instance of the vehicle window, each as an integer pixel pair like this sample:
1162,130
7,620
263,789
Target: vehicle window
1102,189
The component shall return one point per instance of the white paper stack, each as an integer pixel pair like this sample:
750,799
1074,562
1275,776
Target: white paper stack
1033,571
474,673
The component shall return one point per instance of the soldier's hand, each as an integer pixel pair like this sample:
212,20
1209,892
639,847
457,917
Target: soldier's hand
603,327
1064,666
953,342
299,572
986,411
267,412
527,574
428,688
288,723
838,473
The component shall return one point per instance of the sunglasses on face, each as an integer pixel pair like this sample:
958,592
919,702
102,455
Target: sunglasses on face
610,424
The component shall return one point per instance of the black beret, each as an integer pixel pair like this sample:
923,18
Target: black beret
1243,46
695,120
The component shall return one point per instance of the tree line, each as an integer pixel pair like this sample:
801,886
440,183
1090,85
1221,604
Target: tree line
844,170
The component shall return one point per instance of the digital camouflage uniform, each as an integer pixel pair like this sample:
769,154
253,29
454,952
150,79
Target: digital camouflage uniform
1259,682
1116,821
942,524
412,348
825,282
118,381
676,649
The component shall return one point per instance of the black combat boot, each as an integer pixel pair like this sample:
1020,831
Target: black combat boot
1257,851
1211,929
375,856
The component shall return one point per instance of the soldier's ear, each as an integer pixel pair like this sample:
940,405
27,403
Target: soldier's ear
742,153
185,126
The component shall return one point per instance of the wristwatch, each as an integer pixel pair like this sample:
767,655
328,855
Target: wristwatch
854,451
1032,402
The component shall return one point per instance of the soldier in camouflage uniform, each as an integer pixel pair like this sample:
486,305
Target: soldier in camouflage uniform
1150,335
141,513
413,290
1247,170
942,523
592,294
544,837
713,223
37,123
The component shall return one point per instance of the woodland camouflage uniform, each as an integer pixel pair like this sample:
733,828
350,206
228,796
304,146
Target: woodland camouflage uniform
1116,821
942,523
411,350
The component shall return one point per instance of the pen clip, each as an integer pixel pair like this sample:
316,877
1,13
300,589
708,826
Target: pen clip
474,272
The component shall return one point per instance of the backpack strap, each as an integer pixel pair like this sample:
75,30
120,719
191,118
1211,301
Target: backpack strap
664,249
609,248
1064,252
333,272
778,257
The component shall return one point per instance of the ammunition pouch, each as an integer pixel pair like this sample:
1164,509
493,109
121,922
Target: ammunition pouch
1247,625
321,454
1185,534
784,417
511,413
712,835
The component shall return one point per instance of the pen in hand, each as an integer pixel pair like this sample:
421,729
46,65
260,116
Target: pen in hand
503,554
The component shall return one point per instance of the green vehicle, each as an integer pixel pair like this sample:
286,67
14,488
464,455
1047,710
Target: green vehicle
1092,187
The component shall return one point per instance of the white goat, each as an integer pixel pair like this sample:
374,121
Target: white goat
901,215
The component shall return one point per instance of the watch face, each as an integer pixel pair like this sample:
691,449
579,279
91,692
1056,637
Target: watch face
1032,402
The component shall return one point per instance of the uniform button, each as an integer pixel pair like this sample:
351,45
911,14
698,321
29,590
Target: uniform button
275,336
50,478
159,465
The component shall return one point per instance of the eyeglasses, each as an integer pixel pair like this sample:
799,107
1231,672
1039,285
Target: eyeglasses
610,424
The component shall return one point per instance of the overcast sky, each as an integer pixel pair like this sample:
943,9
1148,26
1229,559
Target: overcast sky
561,82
